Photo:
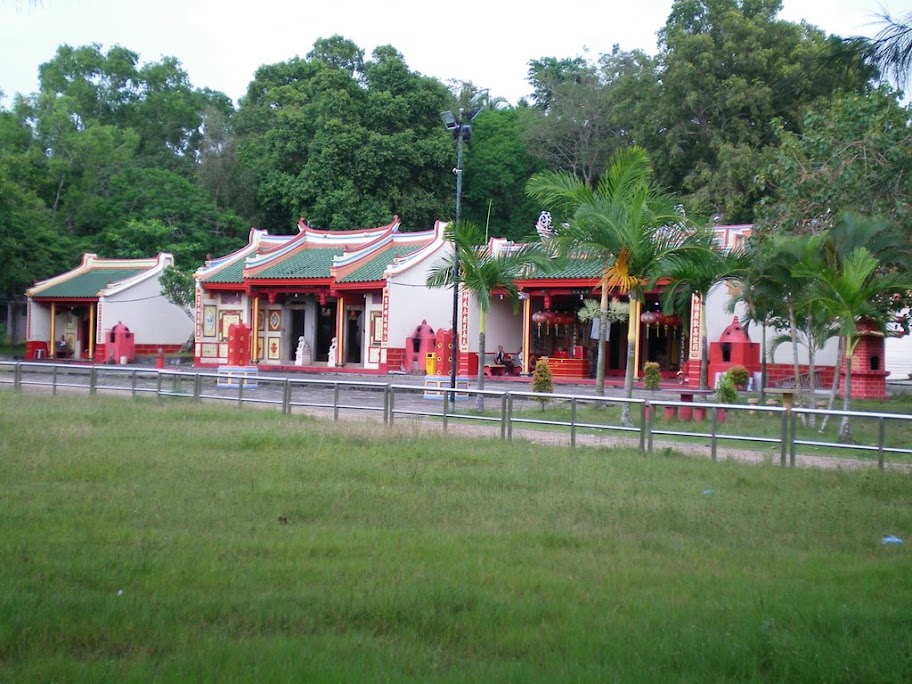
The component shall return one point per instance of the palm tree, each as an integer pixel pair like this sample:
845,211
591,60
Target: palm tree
778,288
891,49
482,273
882,239
759,294
695,276
855,292
625,224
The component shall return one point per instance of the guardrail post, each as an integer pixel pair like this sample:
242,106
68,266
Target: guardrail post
793,429
391,404
197,387
286,396
335,402
503,415
783,442
509,417
93,380
133,384
158,391
881,438
17,377
54,381
241,391
448,396
714,442
645,428
573,423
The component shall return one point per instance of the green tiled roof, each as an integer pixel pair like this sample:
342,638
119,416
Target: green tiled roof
233,273
306,263
577,268
89,284
373,269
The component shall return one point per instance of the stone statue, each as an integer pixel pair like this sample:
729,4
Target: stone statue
302,355
331,362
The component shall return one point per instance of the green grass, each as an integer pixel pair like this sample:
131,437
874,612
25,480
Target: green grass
865,431
142,540
11,351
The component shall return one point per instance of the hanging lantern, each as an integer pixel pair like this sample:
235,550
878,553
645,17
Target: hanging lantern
538,318
647,318
549,320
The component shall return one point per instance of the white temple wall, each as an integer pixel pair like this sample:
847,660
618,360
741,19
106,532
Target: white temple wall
150,316
718,319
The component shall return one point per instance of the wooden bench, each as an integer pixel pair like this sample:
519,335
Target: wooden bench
805,378
494,369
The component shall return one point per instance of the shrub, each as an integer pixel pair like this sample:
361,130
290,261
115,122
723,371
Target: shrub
739,375
651,375
725,391
542,381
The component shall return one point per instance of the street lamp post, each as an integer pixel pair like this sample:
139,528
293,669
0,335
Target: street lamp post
461,129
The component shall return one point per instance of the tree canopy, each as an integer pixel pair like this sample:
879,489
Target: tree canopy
126,158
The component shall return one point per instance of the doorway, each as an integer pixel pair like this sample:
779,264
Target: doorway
326,331
296,330
353,335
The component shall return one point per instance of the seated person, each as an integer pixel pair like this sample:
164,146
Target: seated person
63,349
504,360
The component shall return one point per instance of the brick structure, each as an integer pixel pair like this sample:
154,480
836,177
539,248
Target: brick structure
734,348
869,379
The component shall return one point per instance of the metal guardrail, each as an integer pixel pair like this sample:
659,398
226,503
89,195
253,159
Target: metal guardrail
450,405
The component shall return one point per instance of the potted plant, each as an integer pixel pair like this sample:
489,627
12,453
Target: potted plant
740,376
726,394
651,375
542,382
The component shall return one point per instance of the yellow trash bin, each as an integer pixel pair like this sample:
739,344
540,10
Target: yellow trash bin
430,365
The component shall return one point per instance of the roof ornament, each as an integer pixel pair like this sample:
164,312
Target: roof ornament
543,227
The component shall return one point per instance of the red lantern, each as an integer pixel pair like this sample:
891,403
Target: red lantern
549,320
647,318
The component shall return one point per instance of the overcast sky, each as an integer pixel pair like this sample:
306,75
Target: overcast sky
221,43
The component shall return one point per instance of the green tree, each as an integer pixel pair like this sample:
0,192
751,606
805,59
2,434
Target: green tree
858,291
783,288
179,288
692,276
30,249
155,101
586,111
728,69
891,49
542,382
628,226
497,166
153,210
548,73
472,265
346,142
851,154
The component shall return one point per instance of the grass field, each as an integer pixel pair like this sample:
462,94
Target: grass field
182,542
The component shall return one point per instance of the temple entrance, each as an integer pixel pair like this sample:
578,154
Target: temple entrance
353,335
295,330
326,330
662,344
